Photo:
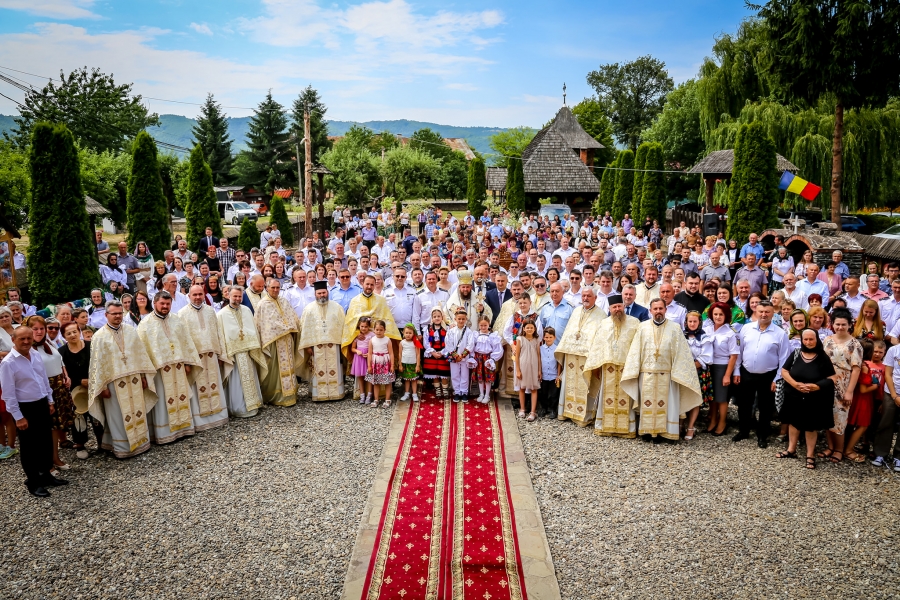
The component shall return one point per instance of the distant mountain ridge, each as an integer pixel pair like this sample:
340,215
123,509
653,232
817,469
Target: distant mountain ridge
176,129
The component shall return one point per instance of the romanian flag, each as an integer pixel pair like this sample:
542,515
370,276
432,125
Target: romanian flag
792,183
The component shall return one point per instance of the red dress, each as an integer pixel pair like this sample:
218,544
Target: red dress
864,403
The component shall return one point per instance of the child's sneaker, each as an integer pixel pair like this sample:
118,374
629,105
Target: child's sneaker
5,452
897,465
456,397
404,397
415,397
362,399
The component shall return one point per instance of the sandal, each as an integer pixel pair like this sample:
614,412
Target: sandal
856,458
531,417
374,404
825,453
689,437
387,403
521,414
786,454
810,463
834,460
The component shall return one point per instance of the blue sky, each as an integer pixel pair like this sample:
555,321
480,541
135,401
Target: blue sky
489,63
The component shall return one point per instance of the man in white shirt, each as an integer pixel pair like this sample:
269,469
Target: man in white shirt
791,292
573,296
811,285
890,311
564,251
675,312
179,300
852,296
430,297
299,294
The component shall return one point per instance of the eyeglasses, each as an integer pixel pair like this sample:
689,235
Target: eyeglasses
344,277
540,285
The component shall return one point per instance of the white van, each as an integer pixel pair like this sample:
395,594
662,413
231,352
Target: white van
235,212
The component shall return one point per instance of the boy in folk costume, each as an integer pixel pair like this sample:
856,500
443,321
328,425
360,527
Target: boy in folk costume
460,341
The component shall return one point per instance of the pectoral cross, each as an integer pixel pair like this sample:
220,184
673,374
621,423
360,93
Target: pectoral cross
656,354
578,336
124,360
241,334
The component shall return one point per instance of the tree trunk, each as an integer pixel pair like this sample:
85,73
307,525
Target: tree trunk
837,163
710,193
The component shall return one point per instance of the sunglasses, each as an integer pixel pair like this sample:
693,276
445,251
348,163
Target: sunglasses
53,329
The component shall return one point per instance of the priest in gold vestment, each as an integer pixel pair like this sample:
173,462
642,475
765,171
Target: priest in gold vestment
321,329
177,362
367,304
605,363
121,390
577,401
255,292
279,334
208,402
660,376
506,375
241,345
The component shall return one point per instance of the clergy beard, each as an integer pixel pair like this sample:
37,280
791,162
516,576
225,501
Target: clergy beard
322,301
660,321
465,296
618,317
235,304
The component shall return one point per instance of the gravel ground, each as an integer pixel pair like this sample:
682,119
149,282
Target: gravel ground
264,508
710,519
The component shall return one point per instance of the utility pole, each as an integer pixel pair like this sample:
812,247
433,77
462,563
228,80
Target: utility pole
308,196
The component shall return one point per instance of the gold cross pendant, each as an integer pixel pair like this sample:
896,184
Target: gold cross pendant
578,336
242,335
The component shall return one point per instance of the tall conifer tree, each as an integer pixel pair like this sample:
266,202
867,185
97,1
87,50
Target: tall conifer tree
270,156
62,259
476,191
753,196
201,211
211,133
515,187
624,185
278,215
639,160
318,126
147,209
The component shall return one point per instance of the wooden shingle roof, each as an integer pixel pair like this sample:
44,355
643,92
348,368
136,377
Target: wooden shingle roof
496,178
566,125
722,161
552,167
94,207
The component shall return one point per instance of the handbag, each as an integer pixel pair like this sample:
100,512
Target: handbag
779,387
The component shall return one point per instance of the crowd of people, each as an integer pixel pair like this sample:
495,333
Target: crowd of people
611,325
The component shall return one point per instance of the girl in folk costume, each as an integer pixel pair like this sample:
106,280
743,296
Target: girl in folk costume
435,364
701,346
460,341
528,367
380,363
359,368
487,351
410,362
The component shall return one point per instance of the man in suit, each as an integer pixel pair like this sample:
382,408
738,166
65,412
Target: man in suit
631,309
497,296
206,241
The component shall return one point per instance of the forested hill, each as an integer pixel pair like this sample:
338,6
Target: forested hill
176,129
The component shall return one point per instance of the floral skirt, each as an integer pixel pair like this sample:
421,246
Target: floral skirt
408,372
381,370
480,373
64,414
706,385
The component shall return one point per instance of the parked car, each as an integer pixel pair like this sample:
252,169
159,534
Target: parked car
810,216
892,232
852,223
260,208
235,212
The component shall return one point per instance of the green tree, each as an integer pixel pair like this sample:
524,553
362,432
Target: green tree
211,133
677,127
309,99
104,177
175,174
845,51
60,230
753,196
476,193
452,179
624,185
200,210
510,142
356,179
270,155
639,159
515,187
248,236
15,184
653,182
607,189
632,95
409,173
430,142
278,216
148,212
100,114
594,121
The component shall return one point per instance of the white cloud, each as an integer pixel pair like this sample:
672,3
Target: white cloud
55,9
201,28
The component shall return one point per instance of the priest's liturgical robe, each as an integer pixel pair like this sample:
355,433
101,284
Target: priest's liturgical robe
507,373
321,330
240,344
119,361
471,305
604,365
576,401
660,378
376,308
171,349
208,402
279,334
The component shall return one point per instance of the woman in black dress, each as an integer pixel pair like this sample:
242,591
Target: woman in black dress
808,395
76,356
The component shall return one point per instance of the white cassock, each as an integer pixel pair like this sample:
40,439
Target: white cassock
321,329
208,408
240,343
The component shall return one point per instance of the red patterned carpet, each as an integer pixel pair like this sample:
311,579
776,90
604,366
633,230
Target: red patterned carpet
447,528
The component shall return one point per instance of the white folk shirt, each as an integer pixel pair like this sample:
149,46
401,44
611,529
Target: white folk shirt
763,351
